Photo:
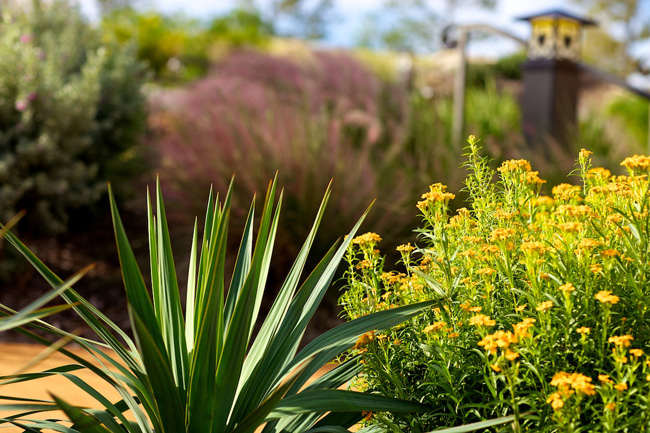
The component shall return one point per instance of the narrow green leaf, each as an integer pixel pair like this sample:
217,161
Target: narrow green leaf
338,376
136,290
32,312
191,292
82,421
156,291
280,306
242,264
328,429
230,363
335,400
335,341
476,425
259,414
173,324
165,392
209,306
38,425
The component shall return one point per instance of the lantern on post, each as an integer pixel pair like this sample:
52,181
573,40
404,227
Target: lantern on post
551,76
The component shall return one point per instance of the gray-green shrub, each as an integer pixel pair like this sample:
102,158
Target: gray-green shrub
71,112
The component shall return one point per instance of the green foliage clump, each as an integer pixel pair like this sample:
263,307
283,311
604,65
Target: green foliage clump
511,66
633,112
70,114
177,48
541,310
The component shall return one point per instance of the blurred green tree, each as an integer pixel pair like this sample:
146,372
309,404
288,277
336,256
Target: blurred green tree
414,25
305,19
107,7
626,22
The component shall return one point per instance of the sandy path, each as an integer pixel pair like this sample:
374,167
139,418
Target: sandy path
14,356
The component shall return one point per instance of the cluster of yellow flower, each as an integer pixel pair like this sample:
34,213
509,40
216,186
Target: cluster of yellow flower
367,239
567,384
437,194
606,297
637,163
569,256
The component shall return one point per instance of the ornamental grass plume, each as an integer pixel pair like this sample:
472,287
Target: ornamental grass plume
546,297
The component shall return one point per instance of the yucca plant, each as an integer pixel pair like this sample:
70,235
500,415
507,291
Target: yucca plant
202,371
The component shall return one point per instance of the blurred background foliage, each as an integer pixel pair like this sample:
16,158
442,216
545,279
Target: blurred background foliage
71,115
248,94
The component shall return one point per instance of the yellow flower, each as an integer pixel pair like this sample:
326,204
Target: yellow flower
521,328
495,368
514,165
543,201
500,339
501,234
620,386
364,339
407,248
532,178
584,153
570,227
482,320
436,194
583,330
435,327
636,163
567,288
588,243
566,192
367,239
610,406
533,247
606,297
579,382
493,249
556,401
609,253
599,172
595,268
622,340
521,308
636,353
475,309
486,271
511,355
546,305
604,378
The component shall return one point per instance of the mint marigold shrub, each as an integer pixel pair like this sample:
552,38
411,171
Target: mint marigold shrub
542,303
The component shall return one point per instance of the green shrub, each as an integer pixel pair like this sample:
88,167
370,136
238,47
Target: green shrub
633,113
70,114
511,66
177,48
541,303
205,369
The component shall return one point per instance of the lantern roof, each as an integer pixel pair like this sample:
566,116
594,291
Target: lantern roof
557,14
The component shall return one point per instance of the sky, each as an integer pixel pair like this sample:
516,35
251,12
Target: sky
344,30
